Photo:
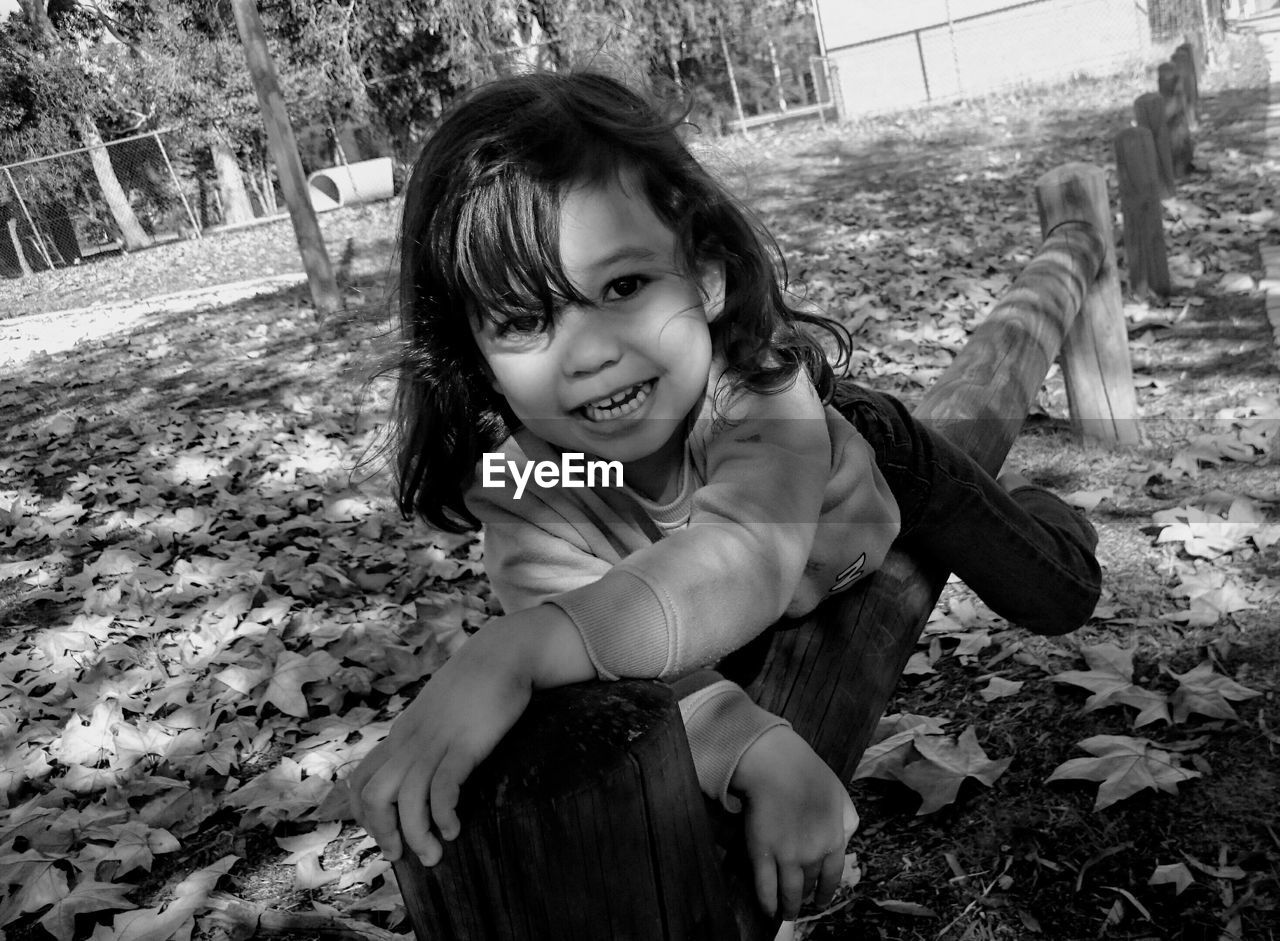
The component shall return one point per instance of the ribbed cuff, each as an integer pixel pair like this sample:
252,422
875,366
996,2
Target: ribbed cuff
722,722
623,625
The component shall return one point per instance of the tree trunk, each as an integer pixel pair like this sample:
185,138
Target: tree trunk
23,265
284,148
131,230
777,76
233,197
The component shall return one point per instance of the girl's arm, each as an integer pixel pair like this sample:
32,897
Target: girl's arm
660,608
409,782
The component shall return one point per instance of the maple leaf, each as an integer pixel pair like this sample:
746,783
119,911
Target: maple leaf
1206,535
292,671
1125,766
136,844
40,882
88,896
89,741
998,688
1175,874
305,852
1110,678
279,794
133,743
931,764
944,765
244,679
160,924
181,810
893,745
1205,693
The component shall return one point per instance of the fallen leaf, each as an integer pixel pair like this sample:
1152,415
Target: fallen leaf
1110,678
1125,766
944,765
308,844
1205,692
998,688
899,907
1174,874
86,898
191,895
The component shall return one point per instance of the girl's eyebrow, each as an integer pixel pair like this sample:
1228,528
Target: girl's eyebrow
625,253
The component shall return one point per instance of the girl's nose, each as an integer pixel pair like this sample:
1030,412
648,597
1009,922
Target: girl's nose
590,342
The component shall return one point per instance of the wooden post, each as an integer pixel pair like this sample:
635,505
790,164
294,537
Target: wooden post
1144,248
1175,115
1148,112
1095,354
585,823
1185,63
284,149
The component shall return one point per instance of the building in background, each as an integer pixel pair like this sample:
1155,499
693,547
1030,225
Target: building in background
885,56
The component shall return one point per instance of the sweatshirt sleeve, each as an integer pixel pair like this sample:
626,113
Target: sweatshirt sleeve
542,556
721,722
704,591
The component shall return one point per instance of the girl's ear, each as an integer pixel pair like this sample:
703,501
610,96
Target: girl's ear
711,281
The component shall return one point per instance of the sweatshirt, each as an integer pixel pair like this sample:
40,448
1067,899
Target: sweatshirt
779,505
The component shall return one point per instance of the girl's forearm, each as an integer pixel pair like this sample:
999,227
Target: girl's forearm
542,644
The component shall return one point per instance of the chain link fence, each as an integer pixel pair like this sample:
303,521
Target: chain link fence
135,192
60,209
919,54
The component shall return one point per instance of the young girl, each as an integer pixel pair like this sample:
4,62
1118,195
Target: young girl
574,283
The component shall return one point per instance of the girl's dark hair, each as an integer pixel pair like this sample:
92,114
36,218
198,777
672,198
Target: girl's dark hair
480,236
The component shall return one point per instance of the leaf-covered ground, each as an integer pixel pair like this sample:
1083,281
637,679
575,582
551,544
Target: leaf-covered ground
208,610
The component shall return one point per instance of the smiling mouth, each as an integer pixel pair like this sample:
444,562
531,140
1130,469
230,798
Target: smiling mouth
618,405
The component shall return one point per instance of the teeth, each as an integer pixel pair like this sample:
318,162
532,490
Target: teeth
619,404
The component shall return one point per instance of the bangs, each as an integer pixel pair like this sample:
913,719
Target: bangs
506,244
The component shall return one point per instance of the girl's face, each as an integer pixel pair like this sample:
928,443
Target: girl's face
617,377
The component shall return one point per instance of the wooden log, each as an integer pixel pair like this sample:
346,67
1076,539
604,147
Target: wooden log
1095,355
1148,112
585,823
1184,61
1175,115
832,674
1139,181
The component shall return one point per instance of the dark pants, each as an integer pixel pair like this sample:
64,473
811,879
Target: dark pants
1026,553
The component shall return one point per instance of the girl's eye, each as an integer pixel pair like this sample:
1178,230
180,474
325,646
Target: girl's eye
521,325
625,287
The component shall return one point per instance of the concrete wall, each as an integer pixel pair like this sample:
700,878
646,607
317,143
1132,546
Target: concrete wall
911,57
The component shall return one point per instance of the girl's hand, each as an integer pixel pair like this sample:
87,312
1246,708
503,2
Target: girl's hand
409,782
799,821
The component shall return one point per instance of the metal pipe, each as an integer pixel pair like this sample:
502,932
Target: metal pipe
177,184
35,231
